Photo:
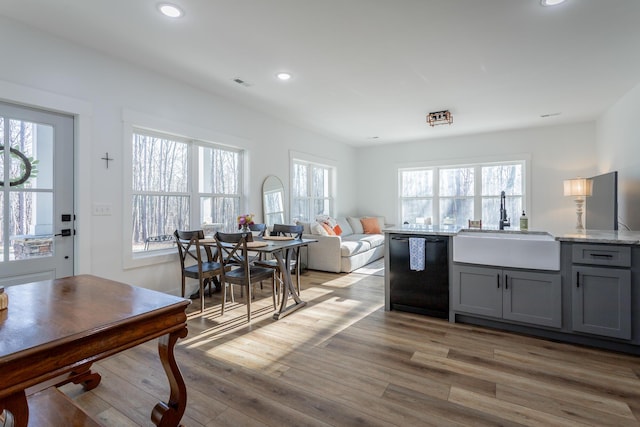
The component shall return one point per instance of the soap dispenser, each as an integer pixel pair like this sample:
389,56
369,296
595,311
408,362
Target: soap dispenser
524,222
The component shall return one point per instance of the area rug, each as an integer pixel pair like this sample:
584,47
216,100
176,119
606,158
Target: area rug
376,268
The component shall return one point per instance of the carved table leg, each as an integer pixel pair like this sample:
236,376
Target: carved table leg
16,404
169,414
83,375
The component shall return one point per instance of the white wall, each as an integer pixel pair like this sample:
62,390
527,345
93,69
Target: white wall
556,153
43,71
618,148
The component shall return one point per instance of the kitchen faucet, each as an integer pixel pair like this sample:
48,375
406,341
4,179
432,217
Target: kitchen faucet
504,220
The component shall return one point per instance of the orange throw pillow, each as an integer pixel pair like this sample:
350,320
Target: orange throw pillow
328,228
370,225
337,230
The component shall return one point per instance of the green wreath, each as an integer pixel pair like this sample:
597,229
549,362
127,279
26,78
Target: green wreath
26,167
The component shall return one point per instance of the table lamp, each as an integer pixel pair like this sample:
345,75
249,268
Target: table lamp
578,188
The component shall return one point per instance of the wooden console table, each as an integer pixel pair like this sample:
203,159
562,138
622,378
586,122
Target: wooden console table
54,330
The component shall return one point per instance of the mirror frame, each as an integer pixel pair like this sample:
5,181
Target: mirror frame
270,187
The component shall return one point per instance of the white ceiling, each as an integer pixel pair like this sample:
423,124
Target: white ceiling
374,68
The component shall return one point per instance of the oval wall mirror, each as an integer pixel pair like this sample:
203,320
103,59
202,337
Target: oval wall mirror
273,201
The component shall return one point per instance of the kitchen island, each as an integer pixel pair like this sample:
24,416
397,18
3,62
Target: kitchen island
593,298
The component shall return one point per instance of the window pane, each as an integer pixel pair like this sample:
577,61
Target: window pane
320,182
321,207
159,164
300,183
456,182
225,171
31,228
491,210
300,210
31,154
507,178
417,211
226,211
155,217
417,183
456,211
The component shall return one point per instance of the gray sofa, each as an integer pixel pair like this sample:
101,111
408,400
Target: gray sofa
352,249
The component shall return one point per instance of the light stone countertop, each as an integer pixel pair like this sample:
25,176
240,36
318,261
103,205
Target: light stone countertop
620,237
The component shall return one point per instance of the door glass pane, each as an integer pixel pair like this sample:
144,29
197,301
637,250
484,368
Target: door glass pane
30,225
31,159
2,236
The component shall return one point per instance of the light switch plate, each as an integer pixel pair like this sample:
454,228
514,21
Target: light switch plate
101,209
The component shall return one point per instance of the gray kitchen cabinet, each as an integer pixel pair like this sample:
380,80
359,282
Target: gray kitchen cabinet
477,290
601,300
526,296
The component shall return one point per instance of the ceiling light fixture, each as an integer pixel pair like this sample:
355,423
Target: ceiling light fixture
551,2
283,76
170,10
440,118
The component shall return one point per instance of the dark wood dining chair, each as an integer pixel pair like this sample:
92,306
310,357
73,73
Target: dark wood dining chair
288,230
206,270
260,228
233,249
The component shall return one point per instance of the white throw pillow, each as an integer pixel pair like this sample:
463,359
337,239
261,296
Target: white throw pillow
355,224
344,225
318,229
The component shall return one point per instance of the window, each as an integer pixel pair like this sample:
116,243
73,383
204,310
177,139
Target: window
163,199
312,193
452,195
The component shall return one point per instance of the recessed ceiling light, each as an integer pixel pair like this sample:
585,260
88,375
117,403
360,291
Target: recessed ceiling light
170,10
551,2
283,76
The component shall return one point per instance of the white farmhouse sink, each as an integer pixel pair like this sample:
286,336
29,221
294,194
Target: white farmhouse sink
519,250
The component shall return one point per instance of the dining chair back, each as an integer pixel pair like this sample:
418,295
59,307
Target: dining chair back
233,249
205,270
294,231
260,228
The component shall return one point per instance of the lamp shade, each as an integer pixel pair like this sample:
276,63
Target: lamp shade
578,187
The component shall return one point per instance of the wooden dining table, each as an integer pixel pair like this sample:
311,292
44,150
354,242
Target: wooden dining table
282,251
54,330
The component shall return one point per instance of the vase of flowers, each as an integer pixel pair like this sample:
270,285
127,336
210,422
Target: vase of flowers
244,221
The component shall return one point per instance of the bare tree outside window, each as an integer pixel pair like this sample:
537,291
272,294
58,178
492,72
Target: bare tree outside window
452,195
311,191
162,196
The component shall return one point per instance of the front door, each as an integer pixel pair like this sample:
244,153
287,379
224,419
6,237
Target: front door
36,195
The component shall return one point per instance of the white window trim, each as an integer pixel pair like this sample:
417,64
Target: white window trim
136,120
319,161
525,158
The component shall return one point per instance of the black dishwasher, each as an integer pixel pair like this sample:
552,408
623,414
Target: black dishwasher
425,291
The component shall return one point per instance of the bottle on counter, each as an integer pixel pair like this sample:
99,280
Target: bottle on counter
524,222
4,299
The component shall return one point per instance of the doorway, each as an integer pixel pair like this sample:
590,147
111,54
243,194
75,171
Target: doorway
36,195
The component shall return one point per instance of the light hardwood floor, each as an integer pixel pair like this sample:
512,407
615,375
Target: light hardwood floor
344,361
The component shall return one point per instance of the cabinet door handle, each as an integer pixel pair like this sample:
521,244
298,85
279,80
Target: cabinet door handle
506,281
498,280
577,279
601,255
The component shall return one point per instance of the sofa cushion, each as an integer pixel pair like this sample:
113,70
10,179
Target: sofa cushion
344,225
354,244
355,224
370,225
374,240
